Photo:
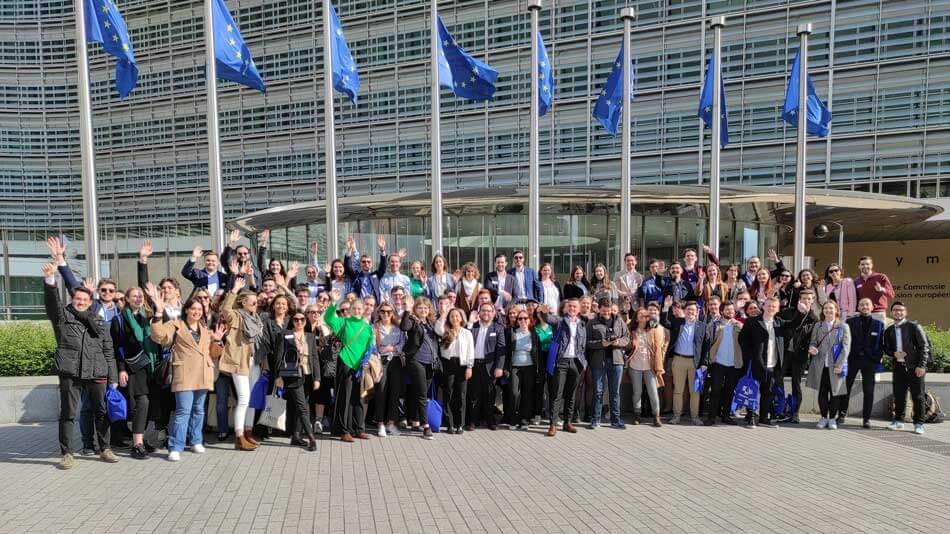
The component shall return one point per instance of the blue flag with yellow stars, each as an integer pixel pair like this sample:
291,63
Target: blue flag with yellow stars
466,76
545,79
104,24
818,116
609,106
232,57
345,77
706,102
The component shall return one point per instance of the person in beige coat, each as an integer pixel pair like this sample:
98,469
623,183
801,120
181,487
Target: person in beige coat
645,362
244,332
193,345
828,371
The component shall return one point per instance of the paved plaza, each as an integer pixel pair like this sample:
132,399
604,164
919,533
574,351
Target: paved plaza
672,479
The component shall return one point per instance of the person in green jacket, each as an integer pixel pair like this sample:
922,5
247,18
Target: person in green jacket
356,337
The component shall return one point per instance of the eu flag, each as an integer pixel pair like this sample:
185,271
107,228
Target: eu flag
104,25
232,57
466,76
706,102
545,79
818,115
609,106
345,77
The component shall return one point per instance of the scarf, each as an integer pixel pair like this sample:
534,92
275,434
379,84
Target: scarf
252,327
87,318
142,334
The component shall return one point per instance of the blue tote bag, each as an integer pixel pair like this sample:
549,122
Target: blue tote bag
434,411
116,405
552,350
258,399
747,393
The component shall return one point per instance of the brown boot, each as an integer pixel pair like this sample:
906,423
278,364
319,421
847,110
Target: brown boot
249,436
569,428
552,430
346,438
656,421
241,443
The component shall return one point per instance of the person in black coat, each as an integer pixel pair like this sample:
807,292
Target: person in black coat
490,362
298,372
500,283
797,325
906,342
84,361
867,348
762,344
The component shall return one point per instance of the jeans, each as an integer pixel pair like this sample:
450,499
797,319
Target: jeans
222,390
637,379
70,391
189,419
613,375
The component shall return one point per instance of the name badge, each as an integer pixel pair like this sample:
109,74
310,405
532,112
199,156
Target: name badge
288,336
492,334
873,333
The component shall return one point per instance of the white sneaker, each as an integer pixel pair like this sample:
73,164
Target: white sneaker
822,423
382,431
832,424
174,456
318,427
198,449
675,420
918,429
896,425
391,430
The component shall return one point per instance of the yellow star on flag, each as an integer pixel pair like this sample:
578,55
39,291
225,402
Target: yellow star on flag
115,38
232,42
105,8
125,46
230,28
107,24
238,54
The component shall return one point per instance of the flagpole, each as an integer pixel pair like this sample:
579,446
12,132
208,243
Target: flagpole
627,14
716,23
90,205
329,135
214,155
534,183
800,164
435,130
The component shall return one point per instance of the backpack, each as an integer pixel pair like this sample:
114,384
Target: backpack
932,412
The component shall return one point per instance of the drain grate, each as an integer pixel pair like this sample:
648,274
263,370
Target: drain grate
907,439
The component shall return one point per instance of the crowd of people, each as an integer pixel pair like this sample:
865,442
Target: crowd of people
352,346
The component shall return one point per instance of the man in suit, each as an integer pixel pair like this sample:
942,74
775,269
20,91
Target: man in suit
687,345
628,280
762,343
210,277
490,352
867,337
569,363
360,270
907,343
526,285
245,265
500,283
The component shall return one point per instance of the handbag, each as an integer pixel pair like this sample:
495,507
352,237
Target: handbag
275,413
779,405
290,364
747,393
433,411
258,399
137,362
116,405
699,377
553,350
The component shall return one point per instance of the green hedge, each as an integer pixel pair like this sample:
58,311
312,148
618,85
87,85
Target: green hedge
26,349
939,347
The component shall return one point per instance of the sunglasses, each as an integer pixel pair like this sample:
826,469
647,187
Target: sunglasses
385,311
299,319
368,262
785,276
519,257
203,297
834,271
313,312
106,290
522,318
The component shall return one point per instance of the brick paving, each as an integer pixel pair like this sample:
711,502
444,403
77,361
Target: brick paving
672,479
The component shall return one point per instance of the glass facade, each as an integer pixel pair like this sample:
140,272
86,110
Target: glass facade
883,66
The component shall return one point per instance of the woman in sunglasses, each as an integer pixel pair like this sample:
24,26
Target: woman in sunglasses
329,346
840,289
524,364
390,340
299,375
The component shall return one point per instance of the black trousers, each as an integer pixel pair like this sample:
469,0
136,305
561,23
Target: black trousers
297,393
905,379
294,411
541,409
562,387
348,410
454,388
138,407
519,394
420,378
481,395
827,403
766,407
868,378
722,382
795,370
70,392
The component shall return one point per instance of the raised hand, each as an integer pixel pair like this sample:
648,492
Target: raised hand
401,253
444,307
248,269
49,270
880,289
334,295
197,252
314,247
239,284
279,279
457,275
326,267
293,270
772,255
668,301
263,238
56,248
381,243
707,249
233,265
350,244
219,332
89,284
145,250
233,237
